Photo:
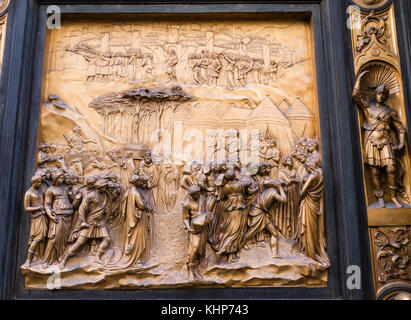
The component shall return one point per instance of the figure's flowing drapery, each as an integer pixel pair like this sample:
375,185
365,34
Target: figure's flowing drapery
259,214
232,218
311,240
57,200
151,172
167,189
285,215
137,228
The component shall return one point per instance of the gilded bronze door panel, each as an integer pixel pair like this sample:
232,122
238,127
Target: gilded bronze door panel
178,151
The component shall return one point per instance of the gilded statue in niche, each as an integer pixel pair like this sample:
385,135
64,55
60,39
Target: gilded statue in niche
378,95
383,141
170,164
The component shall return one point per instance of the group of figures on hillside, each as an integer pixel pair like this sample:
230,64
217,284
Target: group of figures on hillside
232,206
80,195
227,204
63,213
224,69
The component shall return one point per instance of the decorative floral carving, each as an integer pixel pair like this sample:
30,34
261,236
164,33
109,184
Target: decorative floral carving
392,255
374,30
374,38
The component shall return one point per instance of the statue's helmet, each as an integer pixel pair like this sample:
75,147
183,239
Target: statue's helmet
383,89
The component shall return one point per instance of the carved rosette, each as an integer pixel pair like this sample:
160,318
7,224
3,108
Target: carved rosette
372,4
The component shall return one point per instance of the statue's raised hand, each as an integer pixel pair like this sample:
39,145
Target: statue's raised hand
362,74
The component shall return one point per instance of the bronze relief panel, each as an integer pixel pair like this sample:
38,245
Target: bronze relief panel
178,152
